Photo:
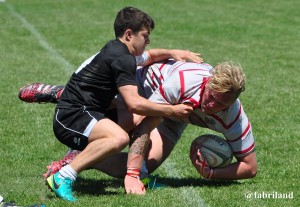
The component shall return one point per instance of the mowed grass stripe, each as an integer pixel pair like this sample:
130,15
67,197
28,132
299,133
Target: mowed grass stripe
68,67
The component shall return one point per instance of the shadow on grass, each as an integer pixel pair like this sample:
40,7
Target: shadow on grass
113,186
97,187
186,182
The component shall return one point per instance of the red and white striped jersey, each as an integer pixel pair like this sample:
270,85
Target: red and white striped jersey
174,82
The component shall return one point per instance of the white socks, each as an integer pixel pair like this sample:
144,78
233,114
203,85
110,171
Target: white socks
67,171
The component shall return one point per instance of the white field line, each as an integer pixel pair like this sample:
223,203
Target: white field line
68,67
190,196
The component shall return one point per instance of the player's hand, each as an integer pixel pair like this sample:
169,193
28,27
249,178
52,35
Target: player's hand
200,162
186,55
181,110
133,185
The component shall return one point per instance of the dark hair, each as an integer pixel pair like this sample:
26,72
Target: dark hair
134,19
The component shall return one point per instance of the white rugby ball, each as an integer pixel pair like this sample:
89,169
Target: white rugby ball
214,149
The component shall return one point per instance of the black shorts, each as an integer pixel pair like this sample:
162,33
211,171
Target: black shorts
73,126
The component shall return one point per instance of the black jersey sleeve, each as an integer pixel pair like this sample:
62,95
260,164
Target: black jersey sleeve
125,69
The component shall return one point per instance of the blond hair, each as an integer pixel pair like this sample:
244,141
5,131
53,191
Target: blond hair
227,77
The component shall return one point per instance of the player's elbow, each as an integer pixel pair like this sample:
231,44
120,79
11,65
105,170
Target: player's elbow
135,106
251,173
252,170
250,166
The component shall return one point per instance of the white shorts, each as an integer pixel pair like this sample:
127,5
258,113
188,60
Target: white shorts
171,129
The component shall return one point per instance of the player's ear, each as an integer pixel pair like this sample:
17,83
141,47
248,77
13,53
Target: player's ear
128,34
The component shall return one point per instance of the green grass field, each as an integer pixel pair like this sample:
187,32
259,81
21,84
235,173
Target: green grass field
45,41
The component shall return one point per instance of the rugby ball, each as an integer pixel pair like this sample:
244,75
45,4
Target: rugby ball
215,150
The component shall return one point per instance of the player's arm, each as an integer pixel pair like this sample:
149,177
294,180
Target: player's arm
157,55
139,142
243,148
139,105
244,168
138,148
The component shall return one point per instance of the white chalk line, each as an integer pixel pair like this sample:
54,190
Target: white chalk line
190,196
68,67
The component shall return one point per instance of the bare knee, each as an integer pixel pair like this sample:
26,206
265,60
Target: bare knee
111,134
120,141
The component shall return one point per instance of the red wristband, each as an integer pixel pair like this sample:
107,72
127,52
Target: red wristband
133,172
